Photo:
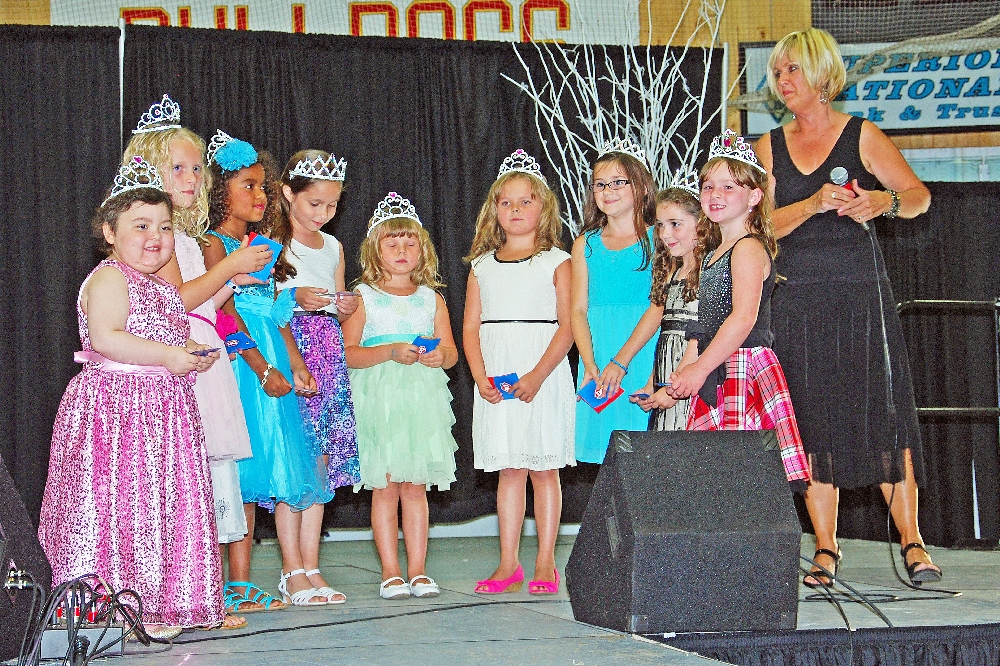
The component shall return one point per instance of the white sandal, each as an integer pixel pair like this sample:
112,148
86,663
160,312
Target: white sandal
302,597
327,591
424,590
387,591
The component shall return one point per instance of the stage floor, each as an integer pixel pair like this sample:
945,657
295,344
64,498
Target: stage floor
460,627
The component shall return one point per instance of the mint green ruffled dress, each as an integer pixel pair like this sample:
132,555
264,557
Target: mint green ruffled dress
403,412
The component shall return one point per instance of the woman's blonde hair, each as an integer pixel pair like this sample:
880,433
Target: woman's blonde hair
664,265
426,272
490,235
154,147
758,220
818,55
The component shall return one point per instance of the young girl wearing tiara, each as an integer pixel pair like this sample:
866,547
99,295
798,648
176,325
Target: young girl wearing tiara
673,299
517,321
734,379
611,280
128,495
285,473
401,395
311,185
178,154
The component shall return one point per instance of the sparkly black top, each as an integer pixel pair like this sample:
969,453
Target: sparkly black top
715,303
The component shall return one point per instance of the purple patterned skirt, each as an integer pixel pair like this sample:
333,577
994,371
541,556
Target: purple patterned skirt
332,414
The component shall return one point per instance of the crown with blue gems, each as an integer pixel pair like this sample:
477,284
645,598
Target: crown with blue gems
229,153
135,174
729,144
162,115
687,179
626,146
391,207
521,162
321,169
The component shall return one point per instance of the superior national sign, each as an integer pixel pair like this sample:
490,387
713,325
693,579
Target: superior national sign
908,91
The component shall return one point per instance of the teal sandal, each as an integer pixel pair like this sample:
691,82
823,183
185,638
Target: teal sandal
233,599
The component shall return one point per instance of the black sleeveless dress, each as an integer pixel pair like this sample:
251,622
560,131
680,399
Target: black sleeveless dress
856,412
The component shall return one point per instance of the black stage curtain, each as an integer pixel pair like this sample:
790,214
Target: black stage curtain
59,113
429,119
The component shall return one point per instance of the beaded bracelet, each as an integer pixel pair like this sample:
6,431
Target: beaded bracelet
620,366
263,379
894,210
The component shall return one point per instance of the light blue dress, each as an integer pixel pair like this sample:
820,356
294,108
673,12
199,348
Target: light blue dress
617,297
286,466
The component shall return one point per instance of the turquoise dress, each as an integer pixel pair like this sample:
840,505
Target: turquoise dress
617,296
403,412
286,465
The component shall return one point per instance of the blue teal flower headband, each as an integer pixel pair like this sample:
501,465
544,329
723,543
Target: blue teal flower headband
229,153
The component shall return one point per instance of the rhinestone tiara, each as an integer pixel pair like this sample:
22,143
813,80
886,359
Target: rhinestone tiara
135,174
321,169
626,146
687,179
391,207
731,145
230,153
162,115
521,162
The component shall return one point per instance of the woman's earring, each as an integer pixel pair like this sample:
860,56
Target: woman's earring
824,96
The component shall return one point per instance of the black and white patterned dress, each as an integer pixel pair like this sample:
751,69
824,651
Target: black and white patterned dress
669,349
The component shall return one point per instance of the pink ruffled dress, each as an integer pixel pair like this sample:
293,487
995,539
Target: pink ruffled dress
128,495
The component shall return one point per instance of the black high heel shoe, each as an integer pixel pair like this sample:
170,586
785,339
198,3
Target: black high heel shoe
824,580
932,574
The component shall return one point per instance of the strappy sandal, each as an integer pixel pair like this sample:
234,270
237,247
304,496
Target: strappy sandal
302,597
931,574
327,591
823,579
241,622
233,599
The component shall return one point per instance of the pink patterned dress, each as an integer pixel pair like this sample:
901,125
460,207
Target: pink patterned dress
128,495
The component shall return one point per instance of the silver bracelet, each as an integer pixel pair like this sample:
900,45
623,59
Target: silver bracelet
894,209
263,380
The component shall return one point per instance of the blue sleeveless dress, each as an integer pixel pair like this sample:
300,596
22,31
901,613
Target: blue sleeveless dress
286,465
618,295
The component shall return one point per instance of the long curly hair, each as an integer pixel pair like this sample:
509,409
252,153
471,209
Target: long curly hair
490,235
426,272
218,200
154,147
758,220
282,230
644,212
664,265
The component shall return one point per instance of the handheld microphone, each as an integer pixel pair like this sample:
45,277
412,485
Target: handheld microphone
838,176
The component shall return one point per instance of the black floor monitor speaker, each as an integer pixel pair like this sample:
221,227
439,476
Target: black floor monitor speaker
19,549
688,531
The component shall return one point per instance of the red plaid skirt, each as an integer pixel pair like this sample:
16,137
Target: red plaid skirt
755,396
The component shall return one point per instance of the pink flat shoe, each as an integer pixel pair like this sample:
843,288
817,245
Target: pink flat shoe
510,584
544,586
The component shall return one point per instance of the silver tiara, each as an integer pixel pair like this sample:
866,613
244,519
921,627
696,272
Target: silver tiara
521,162
166,114
731,145
687,179
321,169
218,141
391,207
133,175
626,146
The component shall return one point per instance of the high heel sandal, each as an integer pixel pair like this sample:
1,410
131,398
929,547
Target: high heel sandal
511,583
932,574
817,575
327,591
544,586
302,597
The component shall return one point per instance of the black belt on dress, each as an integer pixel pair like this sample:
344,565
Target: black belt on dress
313,313
520,321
